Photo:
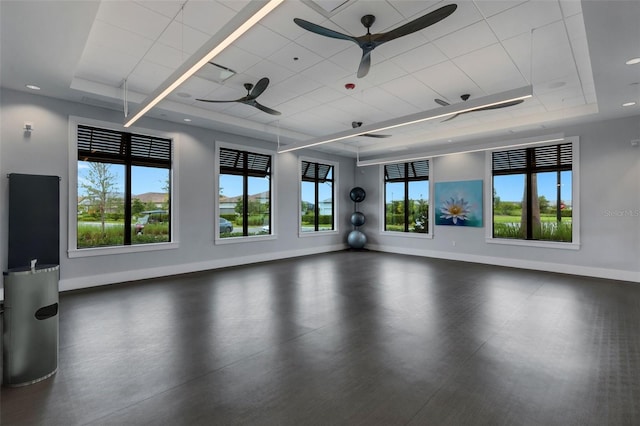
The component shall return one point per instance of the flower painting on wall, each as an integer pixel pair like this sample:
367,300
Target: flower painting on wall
459,203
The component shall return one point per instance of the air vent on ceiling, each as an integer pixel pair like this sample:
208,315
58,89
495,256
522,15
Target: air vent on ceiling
327,8
216,73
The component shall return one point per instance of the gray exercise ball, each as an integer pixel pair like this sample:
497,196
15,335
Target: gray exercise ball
357,219
356,239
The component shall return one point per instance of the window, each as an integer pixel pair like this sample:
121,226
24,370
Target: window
532,193
317,201
406,194
123,188
244,188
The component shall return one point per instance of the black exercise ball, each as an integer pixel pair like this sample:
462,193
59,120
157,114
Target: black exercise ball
357,194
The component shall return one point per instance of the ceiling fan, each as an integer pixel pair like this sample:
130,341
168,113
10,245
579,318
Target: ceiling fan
250,99
466,96
369,41
356,124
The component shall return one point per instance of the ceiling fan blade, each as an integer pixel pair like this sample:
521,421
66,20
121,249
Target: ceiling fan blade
266,109
315,28
441,102
220,102
373,135
260,87
453,116
418,24
365,63
504,105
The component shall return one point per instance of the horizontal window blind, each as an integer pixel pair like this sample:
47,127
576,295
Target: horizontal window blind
235,162
536,159
309,173
416,170
103,145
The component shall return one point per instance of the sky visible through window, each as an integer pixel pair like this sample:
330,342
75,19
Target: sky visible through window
148,179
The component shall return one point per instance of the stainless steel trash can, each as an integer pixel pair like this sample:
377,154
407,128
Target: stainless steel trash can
30,335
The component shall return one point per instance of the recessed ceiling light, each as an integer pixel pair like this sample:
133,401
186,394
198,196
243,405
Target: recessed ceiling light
187,120
32,87
633,61
626,104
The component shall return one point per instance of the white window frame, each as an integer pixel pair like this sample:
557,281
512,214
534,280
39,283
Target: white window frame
383,207
216,201
575,198
73,251
335,229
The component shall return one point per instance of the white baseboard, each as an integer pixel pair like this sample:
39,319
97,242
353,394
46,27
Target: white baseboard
612,274
141,274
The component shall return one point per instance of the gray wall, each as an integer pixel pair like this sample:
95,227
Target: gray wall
609,210
46,152
609,182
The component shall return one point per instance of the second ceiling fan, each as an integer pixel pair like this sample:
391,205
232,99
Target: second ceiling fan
369,41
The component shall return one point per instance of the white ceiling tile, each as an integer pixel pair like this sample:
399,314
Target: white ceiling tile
552,54
447,81
465,15
466,40
519,49
387,102
575,27
274,72
419,58
147,76
381,72
524,17
570,7
168,8
196,87
183,38
261,41
206,16
112,61
411,90
236,5
105,35
492,7
402,45
295,57
236,59
412,9
492,69
298,84
327,72
324,95
281,19
133,17
165,56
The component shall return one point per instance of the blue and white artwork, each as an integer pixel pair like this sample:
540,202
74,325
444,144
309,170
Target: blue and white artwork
459,203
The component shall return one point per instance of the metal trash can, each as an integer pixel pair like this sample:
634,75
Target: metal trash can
30,335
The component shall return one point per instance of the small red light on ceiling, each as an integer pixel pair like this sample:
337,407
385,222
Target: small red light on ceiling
349,86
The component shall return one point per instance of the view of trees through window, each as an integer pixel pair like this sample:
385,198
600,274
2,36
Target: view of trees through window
407,197
532,196
317,205
244,193
121,189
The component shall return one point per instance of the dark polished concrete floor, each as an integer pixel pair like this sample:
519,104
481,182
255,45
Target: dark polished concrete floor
347,338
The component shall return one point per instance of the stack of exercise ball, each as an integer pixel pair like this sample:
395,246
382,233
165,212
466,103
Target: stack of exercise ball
356,239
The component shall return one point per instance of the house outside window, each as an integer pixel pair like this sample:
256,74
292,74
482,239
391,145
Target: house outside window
406,194
244,193
123,188
317,196
533,193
